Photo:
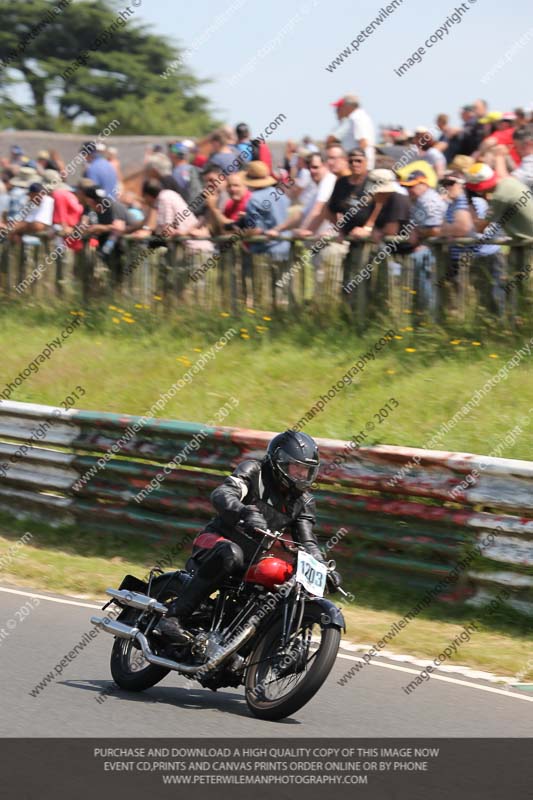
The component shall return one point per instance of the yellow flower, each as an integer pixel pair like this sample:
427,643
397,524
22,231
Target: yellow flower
128,319
251,310
112,308
244,336
476,344
244,330
224,314
406,312
410,349
145,306
409,328
412,291
116,320
268,319
140,305
120,310
455,341
391,372
157,297
197,349
398,337
493,355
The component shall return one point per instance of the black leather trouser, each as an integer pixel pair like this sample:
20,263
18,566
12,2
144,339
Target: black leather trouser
214,565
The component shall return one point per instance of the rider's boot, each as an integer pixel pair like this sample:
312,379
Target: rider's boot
173,625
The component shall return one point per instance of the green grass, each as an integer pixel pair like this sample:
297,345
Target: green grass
83,565
278,374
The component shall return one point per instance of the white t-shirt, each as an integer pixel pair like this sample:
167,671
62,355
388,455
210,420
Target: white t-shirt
323,191
44,212
363,128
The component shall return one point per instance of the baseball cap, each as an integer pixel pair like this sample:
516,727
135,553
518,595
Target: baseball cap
480,177
88,147
179,149
348,98
35,188
414,178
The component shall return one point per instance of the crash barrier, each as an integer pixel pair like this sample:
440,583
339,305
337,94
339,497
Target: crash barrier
362,277
457,524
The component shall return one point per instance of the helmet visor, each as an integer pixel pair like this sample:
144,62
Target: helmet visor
300,473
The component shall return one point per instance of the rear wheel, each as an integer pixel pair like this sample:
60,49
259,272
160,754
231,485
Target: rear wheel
280,679
129,668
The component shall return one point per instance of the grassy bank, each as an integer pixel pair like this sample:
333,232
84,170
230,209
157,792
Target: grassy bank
67,561
277,369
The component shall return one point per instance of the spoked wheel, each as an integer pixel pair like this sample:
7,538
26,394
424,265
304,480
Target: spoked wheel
280,680
129,668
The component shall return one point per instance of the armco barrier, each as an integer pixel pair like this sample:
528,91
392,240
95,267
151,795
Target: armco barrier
394,503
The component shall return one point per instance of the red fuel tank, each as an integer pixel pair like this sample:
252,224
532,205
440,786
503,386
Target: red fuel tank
269,571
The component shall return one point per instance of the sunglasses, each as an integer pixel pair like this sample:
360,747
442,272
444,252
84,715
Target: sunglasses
356,160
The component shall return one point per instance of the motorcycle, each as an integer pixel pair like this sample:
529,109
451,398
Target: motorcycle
270,629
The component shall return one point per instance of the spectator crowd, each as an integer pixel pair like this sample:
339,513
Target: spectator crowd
474,181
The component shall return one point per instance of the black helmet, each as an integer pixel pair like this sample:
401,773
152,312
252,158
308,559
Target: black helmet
292,447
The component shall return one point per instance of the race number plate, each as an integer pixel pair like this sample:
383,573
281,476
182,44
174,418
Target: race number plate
311,574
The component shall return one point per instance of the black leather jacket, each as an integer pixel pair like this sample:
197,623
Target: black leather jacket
251,483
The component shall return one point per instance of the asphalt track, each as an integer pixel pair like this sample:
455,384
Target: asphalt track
371,704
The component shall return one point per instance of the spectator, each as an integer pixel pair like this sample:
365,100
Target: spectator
510,202
45,161
252,149
235,207
304,189
356,129
313,218
425,143
308,144
465,207
351,203
159,167
523,141
222,155
337,160
263,212
37,215
111,153
446,133
503,135
17,156
291,158
185,174
68,210
214,186
391,214
99,169
428,210
18,186
174,217
428,207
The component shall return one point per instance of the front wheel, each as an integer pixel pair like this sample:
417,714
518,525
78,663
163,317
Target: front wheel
280,680
129,668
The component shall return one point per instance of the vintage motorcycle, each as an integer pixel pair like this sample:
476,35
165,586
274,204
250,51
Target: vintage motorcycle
270,629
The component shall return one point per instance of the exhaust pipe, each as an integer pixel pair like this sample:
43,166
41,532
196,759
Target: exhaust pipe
122,631
137,600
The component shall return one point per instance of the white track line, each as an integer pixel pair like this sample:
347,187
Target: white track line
340,655
52,599
441,678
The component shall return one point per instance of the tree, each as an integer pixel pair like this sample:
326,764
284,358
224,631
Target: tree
93,60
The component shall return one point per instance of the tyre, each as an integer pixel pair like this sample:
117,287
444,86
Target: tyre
129,668
279,682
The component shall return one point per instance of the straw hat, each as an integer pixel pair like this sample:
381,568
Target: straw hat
258,176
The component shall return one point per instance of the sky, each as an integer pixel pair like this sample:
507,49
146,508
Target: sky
269,58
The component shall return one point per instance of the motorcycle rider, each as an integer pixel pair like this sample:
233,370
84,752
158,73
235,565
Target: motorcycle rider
272,492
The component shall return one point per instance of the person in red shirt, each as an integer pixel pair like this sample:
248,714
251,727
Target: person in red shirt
504,135
239,196
68,210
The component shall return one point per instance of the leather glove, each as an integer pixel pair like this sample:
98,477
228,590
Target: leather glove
333,580
252,519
